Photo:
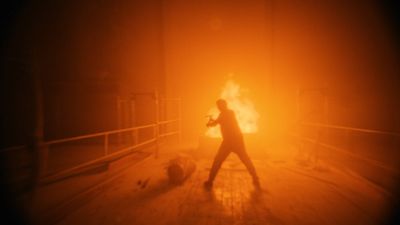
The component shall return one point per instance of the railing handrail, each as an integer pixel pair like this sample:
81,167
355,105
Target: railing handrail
98,134
371,161
351,128
65,172
168,121
13,148
170,99
169,133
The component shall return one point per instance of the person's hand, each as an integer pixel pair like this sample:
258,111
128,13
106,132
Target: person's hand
210,122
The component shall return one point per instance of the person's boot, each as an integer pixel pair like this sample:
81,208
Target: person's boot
208,184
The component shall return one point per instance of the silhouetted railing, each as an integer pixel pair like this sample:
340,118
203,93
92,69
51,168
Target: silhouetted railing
371,153
106,146
348,130
76,155
107,155
351,129
323,132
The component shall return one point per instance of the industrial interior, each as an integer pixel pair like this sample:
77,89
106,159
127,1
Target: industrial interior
214,112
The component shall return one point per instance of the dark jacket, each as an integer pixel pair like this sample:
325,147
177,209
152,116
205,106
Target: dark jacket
230,129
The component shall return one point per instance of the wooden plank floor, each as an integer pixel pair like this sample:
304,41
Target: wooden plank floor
292,193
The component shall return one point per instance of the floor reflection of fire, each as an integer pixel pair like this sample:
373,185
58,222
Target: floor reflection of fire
234,194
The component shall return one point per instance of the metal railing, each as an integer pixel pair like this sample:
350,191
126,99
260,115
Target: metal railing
302,116
160,129
107,155
348,131
351,129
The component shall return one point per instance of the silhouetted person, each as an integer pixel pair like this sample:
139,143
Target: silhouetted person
232,142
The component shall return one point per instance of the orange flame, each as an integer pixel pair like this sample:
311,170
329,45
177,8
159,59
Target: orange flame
246,115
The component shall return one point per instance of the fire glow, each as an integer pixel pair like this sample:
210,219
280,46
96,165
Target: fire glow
246,114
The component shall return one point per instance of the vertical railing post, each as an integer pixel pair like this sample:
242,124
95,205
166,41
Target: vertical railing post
298,125
132,106
298,104
179,121
39,147
156,128
326,113
130,120
119,118
324,93
348,140
136,136
105,144
44,155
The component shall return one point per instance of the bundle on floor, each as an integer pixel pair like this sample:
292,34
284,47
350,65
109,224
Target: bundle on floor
180,168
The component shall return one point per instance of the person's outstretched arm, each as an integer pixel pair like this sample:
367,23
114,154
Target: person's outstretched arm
212,122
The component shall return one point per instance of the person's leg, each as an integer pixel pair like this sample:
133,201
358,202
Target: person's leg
223,152
244,157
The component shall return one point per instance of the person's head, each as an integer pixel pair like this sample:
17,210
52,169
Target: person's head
222,105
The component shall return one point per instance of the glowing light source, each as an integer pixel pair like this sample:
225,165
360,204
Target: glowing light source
246,114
